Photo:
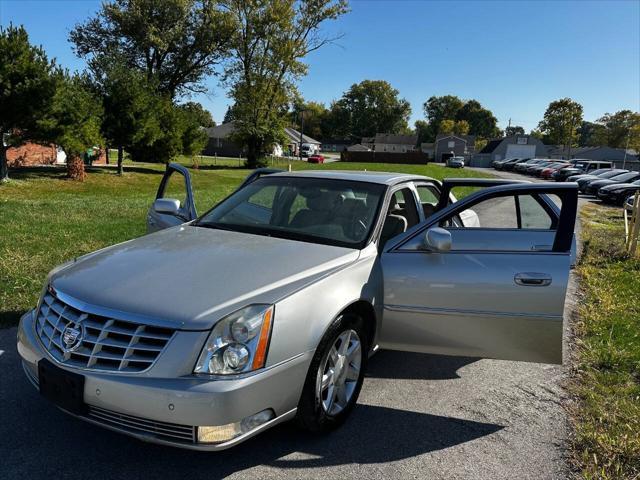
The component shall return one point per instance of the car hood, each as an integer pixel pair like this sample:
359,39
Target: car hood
602,183
620,186
190,277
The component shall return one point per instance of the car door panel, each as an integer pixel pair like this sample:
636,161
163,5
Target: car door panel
499,293
474,306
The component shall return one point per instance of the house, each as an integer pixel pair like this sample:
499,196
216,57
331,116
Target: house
221,144
293,142
34,154
391,143
514,146
452,145
335,144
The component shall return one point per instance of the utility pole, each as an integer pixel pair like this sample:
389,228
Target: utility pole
301,128
624,160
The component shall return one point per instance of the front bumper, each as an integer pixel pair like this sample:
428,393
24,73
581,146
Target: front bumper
146,407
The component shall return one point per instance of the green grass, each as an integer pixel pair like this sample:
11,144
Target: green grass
47,219
607,384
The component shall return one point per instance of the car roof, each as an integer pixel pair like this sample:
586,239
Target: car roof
385,178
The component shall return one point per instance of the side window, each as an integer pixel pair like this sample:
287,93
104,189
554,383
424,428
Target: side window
402,204
429,196
505,212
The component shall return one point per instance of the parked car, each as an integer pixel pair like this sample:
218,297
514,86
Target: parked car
618,193
317,158
582,167
536,170
499,164
582,182
593,186
522,167
455,162
511,165
551,169
576,177
267,307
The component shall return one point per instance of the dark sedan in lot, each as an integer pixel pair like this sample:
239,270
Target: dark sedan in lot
592,187
616,194
510,166
581,167
585,179
523,167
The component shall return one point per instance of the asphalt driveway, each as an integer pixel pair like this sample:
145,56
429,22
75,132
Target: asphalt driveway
419,416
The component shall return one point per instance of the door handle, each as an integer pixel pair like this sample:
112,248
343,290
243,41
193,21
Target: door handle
532,279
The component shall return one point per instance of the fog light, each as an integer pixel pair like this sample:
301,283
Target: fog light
218,434
224,433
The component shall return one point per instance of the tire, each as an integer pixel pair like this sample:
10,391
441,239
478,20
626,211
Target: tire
316,412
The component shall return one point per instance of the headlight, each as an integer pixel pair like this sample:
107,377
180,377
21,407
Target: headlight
238,343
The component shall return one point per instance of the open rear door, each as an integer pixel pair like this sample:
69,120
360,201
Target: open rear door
495,289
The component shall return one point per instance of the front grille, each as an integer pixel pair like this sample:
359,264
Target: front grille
106,343
163,430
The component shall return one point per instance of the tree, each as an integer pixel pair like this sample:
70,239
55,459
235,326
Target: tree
461,127
314,117
422,130
437,109
175,43
27,86
613,129
229,116
130,110
482,122
512,131
194,135
447,126
588,133
271,39
73,121
370,107
199,114
561,121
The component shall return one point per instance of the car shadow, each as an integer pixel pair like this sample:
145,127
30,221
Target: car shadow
38,435
415,366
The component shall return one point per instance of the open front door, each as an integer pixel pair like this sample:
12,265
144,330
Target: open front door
174,202
495,289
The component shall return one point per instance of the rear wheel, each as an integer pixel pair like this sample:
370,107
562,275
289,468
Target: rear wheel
335,376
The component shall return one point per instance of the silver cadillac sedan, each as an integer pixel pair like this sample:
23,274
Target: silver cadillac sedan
267,307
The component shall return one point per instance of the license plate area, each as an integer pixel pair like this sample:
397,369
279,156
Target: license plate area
62,388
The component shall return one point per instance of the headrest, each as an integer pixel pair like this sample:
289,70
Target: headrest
324,202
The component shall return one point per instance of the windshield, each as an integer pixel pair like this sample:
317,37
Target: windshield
625,176
611,173
334,212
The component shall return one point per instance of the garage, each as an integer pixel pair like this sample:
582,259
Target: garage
520,151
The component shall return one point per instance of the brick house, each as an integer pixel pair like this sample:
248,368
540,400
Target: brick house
32,154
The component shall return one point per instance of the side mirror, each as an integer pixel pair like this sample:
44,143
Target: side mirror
437,239
167,206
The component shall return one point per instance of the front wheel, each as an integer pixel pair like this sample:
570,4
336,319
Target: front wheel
335,376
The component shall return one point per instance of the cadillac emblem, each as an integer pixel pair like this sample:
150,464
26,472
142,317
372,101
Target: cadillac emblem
71,337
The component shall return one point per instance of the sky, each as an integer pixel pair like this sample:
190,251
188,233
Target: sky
513,56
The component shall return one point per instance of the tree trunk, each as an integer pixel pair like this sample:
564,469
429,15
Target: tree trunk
106,154
75,168
252,153
4,168
120,158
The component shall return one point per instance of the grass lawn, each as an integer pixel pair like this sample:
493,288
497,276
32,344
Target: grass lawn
47,219
607,417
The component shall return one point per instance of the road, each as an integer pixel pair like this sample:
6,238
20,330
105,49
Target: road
419,416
